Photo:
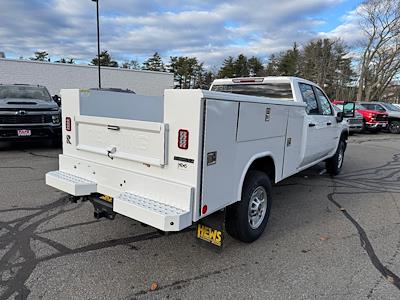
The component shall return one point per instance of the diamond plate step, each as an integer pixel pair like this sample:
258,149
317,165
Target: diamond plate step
70,184
154,213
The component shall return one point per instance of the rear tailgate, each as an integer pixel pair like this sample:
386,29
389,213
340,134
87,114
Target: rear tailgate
132,140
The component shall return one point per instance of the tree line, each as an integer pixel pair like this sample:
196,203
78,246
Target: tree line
366,72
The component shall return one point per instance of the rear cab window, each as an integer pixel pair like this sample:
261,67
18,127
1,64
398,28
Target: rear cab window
277,90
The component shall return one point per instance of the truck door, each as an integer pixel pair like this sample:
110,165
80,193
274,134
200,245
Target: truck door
315,127
330,132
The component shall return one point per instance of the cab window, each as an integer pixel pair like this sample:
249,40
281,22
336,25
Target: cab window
309,98
325,105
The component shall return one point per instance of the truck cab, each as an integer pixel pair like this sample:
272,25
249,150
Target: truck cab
323,128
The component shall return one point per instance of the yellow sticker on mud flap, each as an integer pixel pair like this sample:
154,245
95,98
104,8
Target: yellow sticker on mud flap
210,235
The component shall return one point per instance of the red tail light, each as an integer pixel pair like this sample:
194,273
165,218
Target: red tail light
183,139
68,124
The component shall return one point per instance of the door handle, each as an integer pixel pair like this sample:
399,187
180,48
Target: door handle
329,123
311,125
113,127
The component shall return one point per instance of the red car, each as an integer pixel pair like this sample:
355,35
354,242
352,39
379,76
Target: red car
374,120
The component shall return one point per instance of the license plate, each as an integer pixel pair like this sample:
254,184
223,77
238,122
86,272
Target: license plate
24,132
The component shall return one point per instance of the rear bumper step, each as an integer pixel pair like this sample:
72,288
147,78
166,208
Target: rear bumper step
71,184
159,215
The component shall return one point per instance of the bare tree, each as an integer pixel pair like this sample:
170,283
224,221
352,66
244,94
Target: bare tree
380,61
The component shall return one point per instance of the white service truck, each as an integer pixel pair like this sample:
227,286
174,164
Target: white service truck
171,161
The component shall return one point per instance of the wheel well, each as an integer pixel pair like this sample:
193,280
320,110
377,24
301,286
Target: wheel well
344,135
264,164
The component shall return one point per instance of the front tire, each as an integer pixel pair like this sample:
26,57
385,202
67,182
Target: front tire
394,127
335,163
246,220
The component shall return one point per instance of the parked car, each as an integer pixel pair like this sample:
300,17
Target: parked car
173,160
392,110
27,112
396,104
356,123
374,121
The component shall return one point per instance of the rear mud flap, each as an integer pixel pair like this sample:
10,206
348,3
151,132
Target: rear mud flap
210,231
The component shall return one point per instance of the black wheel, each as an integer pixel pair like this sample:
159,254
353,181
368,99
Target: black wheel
394,127
246,220
335,163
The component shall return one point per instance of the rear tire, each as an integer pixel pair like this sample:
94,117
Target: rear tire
394,127
335,163
246,220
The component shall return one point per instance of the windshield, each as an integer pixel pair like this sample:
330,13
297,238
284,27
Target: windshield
24,92
270,90
391,107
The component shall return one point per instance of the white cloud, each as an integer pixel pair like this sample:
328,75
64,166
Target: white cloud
206,29
349,30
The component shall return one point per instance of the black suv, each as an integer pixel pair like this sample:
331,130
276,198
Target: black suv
28,111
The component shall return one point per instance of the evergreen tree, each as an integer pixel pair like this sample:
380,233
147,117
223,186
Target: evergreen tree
188,72
272,66
154,63
105,60
228,68
256,67
241,66
288,65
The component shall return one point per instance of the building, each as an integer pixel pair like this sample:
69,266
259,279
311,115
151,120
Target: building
57,76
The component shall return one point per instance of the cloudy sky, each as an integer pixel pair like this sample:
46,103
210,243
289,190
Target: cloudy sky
134,29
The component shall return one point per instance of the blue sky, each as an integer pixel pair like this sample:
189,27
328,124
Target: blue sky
135,29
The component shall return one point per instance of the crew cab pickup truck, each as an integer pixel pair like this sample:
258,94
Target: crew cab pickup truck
171,161
28,111
392,111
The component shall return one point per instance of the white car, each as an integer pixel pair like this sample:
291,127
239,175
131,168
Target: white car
175,160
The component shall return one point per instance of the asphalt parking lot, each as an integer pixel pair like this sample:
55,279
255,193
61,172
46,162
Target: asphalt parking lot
326,239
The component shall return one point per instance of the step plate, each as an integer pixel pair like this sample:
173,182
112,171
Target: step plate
159,215
70,184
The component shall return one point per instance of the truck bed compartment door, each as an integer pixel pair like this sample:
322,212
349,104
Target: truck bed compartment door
219,154
140,141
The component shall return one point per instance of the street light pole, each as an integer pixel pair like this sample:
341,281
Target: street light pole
98,41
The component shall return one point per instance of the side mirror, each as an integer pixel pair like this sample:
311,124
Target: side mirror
349,109
339,117
57,99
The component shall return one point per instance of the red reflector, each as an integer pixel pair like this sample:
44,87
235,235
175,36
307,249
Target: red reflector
183,139
68,124
204,209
